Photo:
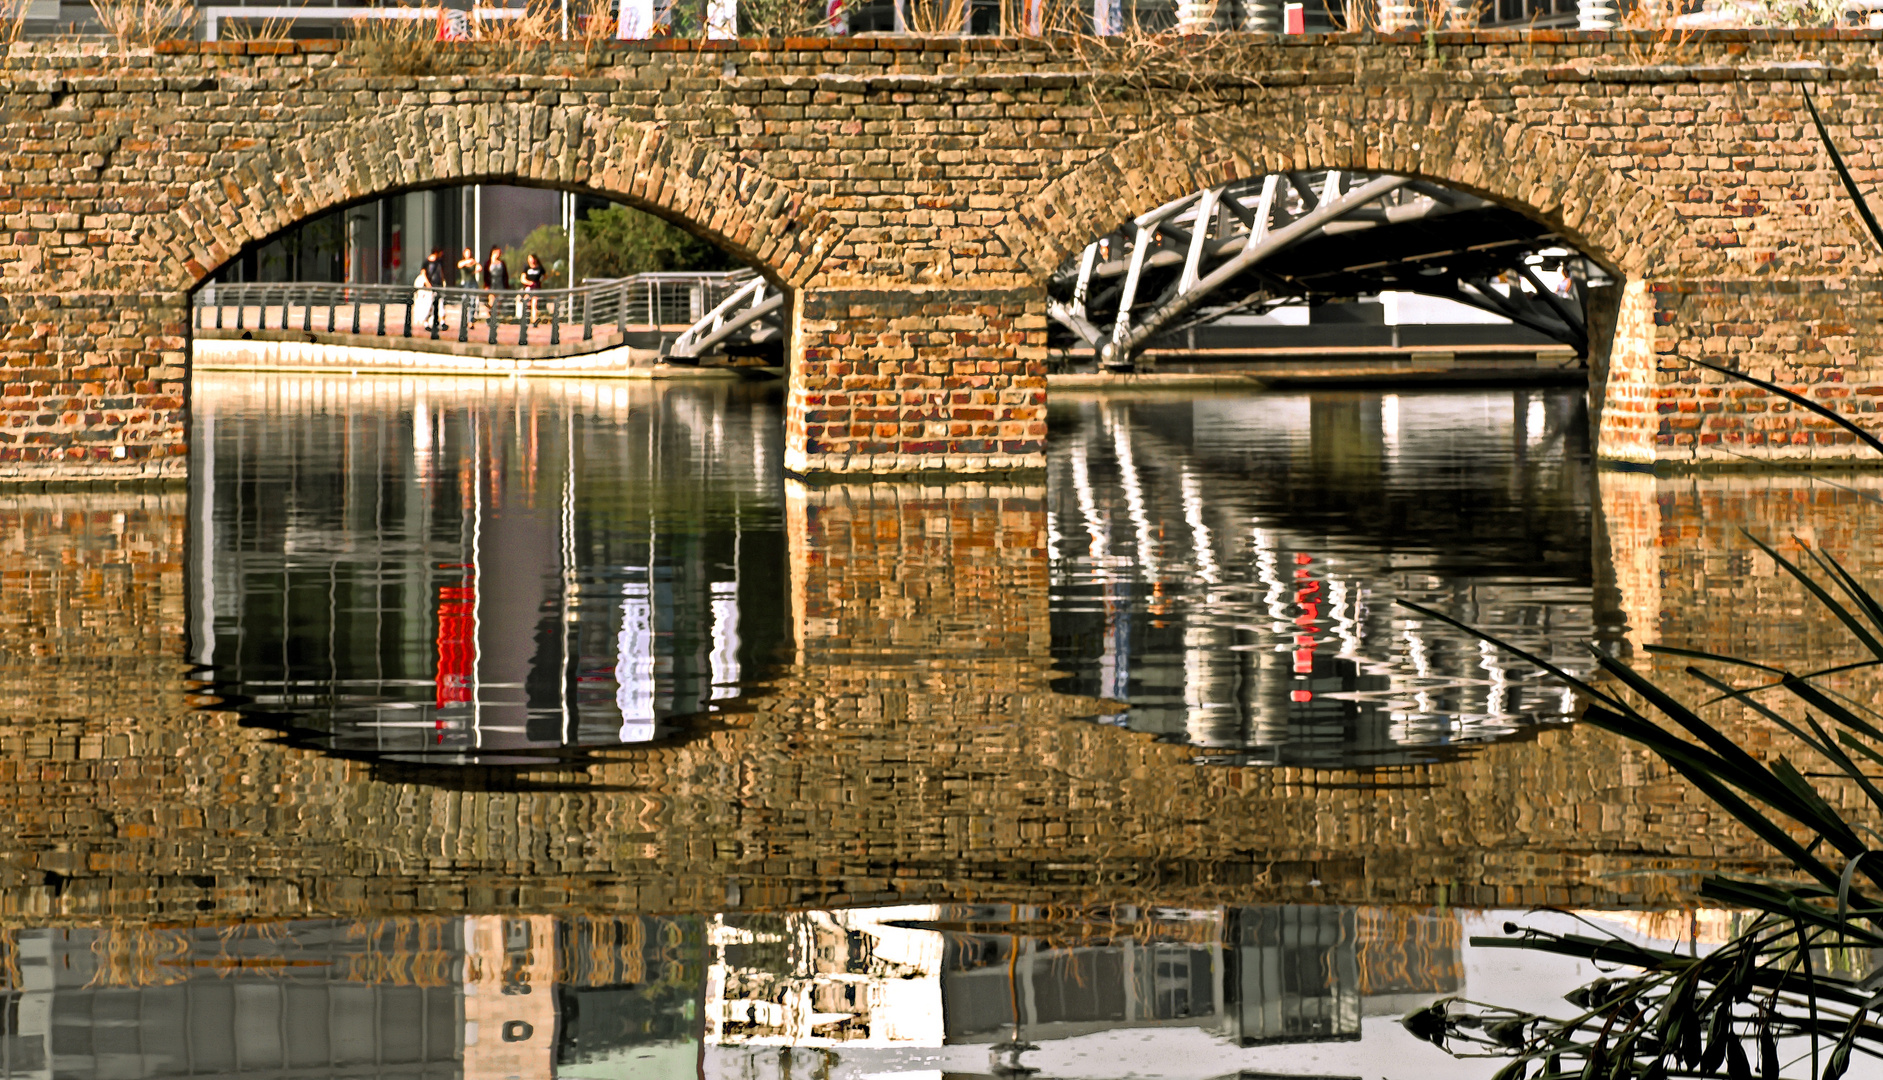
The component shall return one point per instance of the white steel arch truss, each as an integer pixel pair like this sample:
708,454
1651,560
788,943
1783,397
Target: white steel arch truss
1253,245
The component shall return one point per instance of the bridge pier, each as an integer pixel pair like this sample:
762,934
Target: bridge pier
1815,337
92,387
917,379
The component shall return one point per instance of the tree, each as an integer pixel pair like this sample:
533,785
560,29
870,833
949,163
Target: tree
617,241
548,243
613,242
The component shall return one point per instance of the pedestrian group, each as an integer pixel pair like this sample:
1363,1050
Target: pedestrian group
490,276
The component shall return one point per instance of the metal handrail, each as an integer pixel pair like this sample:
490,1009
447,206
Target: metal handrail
506,315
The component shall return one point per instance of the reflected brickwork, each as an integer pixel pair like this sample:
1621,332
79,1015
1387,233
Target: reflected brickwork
900,759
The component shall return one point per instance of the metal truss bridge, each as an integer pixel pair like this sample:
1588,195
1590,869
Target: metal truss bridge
1250,246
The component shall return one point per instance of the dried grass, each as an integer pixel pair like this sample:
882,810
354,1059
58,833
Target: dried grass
146,22
782,18
13,20
936,18
271,29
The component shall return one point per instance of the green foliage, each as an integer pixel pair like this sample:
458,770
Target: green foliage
1797,13
613,242
548,243
618,241
1779,977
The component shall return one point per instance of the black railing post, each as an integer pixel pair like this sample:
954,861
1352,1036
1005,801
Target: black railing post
307,310
490,317
241,309
588,315
382,314
555,322
218,310
621,308
464,318
356,311
409,304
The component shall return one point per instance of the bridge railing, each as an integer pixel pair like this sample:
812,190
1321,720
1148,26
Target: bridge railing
607,309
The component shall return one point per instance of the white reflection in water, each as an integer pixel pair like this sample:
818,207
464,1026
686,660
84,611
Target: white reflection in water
725,656
1288,646
634,664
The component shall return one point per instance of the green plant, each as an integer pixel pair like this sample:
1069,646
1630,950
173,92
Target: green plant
1857,201
619,240
1775,981
550,244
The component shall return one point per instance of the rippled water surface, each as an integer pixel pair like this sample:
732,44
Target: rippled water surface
494,728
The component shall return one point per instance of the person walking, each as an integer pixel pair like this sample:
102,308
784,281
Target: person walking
496,277
435,277
533,275
470,272
423,299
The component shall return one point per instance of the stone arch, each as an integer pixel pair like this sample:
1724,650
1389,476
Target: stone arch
1610,216
759,218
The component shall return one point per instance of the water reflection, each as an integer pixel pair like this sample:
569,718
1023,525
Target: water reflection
490,996
969,989
502,575
484,576
867,836
1228,566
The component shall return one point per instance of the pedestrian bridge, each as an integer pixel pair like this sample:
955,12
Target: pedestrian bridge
922,210
597,328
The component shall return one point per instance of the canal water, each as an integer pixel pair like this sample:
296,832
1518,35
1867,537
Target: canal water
496,728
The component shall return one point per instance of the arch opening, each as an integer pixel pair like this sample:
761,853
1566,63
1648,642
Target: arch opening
493,271
1340,247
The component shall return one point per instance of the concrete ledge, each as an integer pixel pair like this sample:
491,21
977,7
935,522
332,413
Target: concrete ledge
929,467
303,357
1351,375
447,343
61,475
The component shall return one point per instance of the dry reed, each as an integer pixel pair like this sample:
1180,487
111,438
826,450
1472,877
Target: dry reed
13,20
275,28
146,22
936,18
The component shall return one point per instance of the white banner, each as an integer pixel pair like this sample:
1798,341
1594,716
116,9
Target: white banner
636,20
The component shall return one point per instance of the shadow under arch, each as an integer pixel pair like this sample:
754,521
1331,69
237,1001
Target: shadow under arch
759,219
1619,222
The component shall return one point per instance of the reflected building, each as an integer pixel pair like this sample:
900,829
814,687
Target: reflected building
479,582
495,996
1229,567
404,999
1253,975
993,973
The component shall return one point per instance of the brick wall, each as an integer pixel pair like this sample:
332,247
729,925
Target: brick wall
917,193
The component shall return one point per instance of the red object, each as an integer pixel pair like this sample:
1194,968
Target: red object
1301,695
457,643
1294,19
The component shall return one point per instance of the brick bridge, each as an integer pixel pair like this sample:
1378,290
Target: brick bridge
914,195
